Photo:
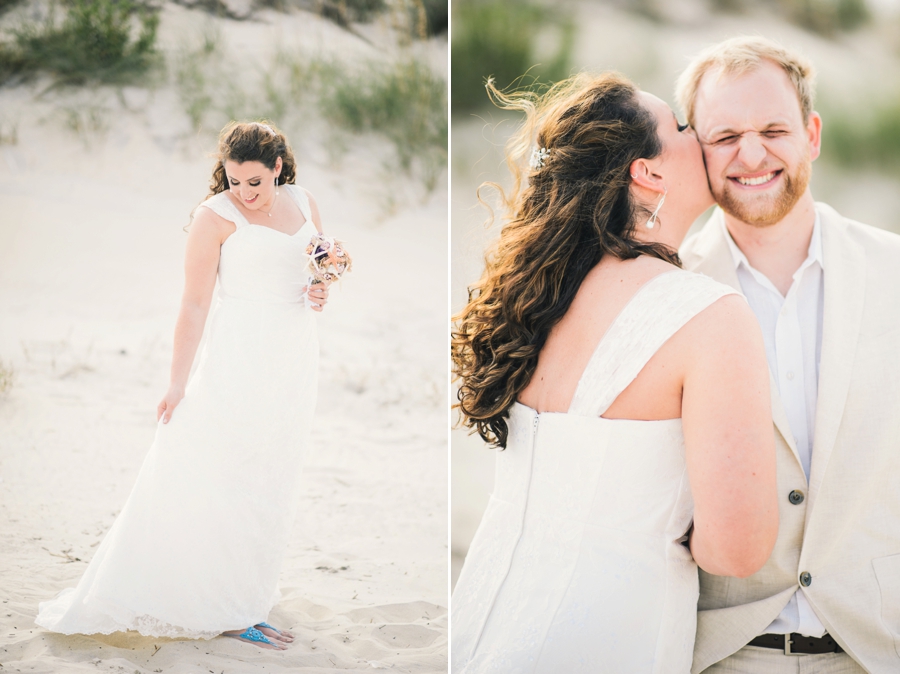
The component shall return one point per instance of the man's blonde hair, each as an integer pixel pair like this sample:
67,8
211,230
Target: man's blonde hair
739,55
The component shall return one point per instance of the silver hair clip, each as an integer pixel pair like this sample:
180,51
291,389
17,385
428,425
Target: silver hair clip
538,157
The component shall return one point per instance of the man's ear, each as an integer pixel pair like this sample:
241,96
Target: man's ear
814,134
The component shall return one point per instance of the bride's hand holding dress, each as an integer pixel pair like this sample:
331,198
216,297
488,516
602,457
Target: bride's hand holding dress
206,235
201,263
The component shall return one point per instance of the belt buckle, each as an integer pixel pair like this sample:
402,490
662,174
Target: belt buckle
787,644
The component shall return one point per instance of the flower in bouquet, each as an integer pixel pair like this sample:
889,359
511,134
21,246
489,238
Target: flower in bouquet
328,259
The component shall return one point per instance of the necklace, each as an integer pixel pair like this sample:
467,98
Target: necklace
269,212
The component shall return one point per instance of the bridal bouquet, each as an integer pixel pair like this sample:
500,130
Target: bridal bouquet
328,259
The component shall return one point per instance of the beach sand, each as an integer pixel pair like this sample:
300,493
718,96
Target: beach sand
91,252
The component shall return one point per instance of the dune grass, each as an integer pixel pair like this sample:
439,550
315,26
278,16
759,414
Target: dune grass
419,18
826,17
105,41
7,378
869,138
402,101
505,39
190,67
343,12
435,16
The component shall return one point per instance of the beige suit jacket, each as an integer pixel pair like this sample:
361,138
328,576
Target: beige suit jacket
846,532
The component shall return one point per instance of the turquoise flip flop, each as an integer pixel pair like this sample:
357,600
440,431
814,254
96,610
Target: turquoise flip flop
269,627
253,634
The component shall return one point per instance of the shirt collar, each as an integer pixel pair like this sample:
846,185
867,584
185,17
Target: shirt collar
813,254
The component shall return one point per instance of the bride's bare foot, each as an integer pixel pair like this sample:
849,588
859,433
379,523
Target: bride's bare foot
256,637
273,633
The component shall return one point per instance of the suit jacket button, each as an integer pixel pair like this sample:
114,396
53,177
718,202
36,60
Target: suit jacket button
805,579
796,497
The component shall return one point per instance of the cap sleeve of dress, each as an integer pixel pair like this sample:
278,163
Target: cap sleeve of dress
222,206
659,309
301,199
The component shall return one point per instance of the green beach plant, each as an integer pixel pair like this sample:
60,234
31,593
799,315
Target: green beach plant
345,12
402,101
826,17
94,41
8,4
436,16
7,378
190,67
869,139
504,39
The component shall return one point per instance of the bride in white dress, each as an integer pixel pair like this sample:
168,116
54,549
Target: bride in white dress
629,397
197,548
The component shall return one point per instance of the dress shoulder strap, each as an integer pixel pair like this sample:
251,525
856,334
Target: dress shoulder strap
222,206
301,199
659,309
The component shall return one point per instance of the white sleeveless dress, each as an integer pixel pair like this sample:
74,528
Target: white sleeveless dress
577,565
197,548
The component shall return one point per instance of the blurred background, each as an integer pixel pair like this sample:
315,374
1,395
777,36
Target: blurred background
854,44
109,114
335,75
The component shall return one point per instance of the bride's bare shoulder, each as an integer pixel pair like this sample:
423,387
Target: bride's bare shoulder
616,280
728,325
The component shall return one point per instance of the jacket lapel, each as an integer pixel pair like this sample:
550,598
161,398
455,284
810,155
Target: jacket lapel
708,253
845,286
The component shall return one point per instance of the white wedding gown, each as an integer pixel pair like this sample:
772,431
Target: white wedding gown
197,548
577,565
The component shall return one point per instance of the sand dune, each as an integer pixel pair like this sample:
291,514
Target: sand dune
91,248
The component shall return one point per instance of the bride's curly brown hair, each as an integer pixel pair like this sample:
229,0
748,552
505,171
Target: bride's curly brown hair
252,141
562,215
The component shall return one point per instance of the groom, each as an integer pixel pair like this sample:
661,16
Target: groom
826,291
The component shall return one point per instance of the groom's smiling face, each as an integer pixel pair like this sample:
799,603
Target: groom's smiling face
757,146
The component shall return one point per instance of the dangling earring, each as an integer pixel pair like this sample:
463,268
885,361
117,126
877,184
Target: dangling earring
653,218
273,198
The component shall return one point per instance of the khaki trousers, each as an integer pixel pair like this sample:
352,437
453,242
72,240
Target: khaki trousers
755,660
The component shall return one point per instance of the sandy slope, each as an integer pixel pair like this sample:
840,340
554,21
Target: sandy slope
90,276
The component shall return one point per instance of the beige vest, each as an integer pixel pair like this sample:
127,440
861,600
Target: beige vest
846,532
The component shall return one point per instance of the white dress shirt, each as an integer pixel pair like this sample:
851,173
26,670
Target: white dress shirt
792,332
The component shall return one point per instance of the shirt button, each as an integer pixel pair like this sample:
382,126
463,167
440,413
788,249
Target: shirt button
790,375
805,579
796,497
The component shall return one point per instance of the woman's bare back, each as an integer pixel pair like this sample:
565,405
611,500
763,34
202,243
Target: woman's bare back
607,289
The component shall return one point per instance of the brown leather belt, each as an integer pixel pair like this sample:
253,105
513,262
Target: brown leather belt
795,643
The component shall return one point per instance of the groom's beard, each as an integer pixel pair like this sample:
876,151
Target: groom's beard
764,209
